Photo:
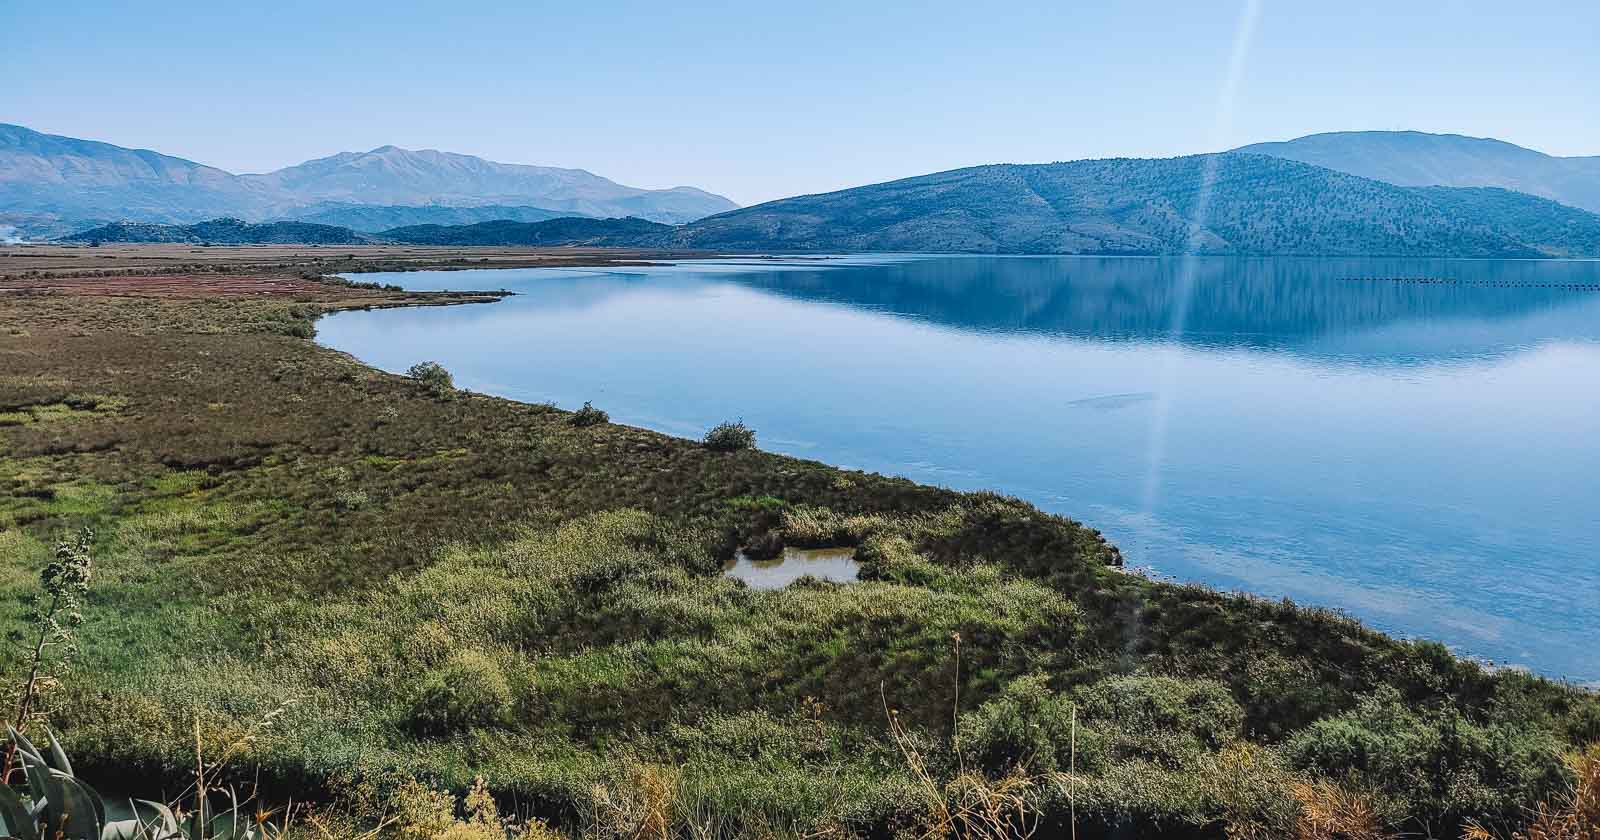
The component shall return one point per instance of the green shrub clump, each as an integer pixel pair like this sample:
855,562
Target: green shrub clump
588,416
469,690
730,437
433,376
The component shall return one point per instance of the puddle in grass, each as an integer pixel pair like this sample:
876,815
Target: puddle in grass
835,564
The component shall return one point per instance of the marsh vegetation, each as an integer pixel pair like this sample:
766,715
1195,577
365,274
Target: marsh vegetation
442,599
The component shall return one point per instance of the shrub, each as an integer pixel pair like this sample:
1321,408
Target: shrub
588,416
299,329
730,437
1025,726
1434,764
350,498
469,690
1202,708
892,557
1166,720
819,527
433,376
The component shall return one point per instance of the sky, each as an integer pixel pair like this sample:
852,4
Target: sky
758,101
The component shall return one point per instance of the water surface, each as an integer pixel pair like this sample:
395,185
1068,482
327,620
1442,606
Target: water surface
832,564
1425,455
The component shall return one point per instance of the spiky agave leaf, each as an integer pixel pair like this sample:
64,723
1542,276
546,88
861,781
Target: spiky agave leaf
95,798
18,820
46,791
58,756
79,814
150,821
157,815
26,746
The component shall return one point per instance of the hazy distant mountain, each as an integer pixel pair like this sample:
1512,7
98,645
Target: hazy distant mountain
565,231
391,175
371,218
65,178
223,232
40,226
1257,205
1413,158
49,182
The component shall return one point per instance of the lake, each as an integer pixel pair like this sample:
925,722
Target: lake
1416,442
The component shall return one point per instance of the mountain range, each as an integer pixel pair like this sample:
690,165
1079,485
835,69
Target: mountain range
52,182
1245,204
1255,200
371,218
1417,159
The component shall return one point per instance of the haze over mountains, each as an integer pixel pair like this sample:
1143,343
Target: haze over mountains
1416,159
49,182
1253,205
371,218
392,175
1258,200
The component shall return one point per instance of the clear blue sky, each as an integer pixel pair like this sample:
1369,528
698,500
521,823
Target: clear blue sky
759,103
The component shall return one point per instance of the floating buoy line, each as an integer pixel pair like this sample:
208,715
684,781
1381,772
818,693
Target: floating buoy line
1477,284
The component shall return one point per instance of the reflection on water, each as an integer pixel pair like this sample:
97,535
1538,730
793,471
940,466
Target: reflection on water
835,564
1423,455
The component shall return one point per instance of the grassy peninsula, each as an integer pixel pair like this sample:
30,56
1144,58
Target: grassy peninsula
419,587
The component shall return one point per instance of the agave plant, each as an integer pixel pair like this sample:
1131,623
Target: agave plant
60,806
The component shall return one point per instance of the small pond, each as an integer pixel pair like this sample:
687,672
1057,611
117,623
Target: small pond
835,564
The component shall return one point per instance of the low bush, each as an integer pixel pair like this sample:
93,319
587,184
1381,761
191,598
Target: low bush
299,329
588,416
351,498
469,690
1432,764
817,527
1021,728
1198,709
730,437
433,376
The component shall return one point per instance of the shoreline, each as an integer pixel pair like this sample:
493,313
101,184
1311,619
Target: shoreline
54,261
335,532
1378,602
328,292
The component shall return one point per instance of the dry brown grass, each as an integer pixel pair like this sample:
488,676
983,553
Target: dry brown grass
1330,812
1573,816
969,804
61,260
643,807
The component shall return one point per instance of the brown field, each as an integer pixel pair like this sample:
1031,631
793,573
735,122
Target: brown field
57,260
185,286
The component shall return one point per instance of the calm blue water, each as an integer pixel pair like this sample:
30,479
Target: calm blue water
1424,456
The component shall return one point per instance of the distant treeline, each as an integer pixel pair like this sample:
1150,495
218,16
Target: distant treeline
553,232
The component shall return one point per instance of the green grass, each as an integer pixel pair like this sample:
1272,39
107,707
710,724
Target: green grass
450,588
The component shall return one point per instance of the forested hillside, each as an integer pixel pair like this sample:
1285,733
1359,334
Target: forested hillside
1246,204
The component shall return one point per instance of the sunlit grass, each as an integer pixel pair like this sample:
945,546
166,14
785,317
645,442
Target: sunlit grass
454,588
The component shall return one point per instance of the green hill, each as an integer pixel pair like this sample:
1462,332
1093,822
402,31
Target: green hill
1254,205
223,232
564,231
1560,230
